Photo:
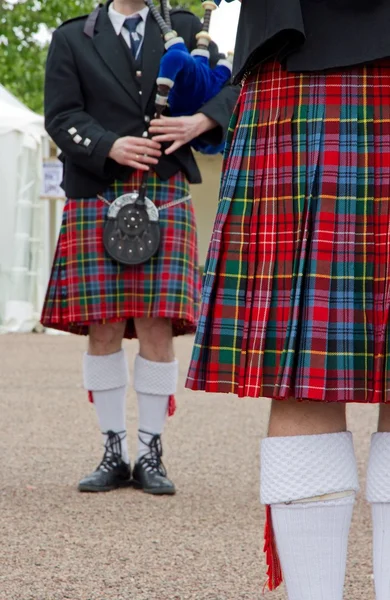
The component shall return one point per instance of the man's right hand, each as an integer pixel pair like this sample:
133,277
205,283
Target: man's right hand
136,152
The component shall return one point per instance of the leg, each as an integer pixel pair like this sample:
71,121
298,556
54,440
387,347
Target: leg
155,339
106,339
155,381
384,419
306,418
106,379
308,481
378,494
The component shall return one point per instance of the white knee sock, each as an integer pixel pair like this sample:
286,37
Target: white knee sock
106,377
310,483
312,540
378,494
154,383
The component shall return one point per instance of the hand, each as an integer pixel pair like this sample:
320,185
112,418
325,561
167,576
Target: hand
136,152
180,130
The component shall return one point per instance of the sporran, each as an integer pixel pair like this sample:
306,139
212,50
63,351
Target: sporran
132,231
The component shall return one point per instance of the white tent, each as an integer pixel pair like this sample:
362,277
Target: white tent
22,136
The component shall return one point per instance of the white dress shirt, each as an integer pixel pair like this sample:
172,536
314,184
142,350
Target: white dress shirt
117,20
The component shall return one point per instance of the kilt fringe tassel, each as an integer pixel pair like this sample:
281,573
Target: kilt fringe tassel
274,570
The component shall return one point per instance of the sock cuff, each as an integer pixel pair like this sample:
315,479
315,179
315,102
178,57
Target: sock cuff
298,467
378,472
156,378
107,372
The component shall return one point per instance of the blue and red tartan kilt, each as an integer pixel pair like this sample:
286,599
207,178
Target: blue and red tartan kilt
87,287
296,296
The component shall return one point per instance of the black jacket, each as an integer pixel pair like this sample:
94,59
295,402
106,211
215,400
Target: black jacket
311,35
93,96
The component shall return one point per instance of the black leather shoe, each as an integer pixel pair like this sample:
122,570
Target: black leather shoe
149,473
112,472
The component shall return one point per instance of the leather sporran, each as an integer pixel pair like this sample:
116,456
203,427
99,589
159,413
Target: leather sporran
132,231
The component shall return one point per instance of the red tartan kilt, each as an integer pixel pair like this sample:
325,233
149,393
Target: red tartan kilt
296,296
87,287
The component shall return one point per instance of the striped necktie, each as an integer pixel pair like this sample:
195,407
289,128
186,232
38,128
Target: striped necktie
131,25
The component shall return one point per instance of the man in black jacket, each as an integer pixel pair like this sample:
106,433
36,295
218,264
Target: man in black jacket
99,101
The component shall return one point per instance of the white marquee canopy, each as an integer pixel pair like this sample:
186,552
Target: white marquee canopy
22,137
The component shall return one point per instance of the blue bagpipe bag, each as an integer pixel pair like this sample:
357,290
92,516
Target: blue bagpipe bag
193,81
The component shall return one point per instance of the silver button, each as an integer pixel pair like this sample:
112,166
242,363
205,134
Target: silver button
77,139
140,93
139,73
147,119
86,142
72,130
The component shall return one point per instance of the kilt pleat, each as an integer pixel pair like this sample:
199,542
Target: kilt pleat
87,287
296,292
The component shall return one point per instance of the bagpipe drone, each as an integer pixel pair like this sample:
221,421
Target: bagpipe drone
185,82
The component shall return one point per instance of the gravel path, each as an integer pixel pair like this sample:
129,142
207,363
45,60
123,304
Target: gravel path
202,544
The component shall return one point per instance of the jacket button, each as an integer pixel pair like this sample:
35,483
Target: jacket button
147,119
139,73
140,92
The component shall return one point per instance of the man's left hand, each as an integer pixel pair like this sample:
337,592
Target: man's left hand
180,130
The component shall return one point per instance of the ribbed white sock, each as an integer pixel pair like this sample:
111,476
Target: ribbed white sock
107,378
152,414
154,382
381,549
378,494
312,540
110,408
310,483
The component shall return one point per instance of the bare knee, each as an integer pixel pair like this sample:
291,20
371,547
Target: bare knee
105,339
155,339
292,417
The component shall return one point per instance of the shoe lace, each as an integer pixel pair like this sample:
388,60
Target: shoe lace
113,451
151,461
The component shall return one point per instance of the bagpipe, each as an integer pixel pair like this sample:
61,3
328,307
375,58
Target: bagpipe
185,82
